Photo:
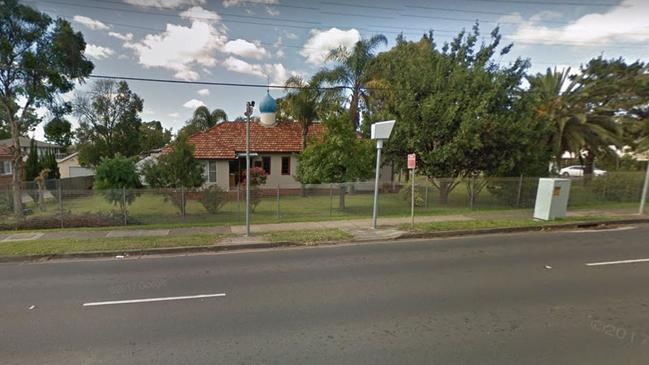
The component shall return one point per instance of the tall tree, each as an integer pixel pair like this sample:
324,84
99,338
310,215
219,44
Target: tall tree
39,58
153,135
33,164
59,131
353,71
339,158
117,178
109,122
458,110
302,101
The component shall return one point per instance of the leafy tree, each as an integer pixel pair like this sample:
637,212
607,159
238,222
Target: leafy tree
117,177
203,120
109,122
48,161
339,158
175,169
458,110
33,164
153,136
59,131
40,58
353,71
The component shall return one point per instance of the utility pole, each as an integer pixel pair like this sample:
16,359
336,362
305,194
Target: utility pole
249,109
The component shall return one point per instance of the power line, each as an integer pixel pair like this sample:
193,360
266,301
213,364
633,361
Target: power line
546,3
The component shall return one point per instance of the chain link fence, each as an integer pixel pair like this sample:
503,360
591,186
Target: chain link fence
73,202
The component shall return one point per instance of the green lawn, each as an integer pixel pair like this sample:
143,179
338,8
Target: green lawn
73,245
497,223
309,236
152,210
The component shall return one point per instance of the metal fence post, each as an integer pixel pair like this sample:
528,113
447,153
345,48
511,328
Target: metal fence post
471,192
124,204
331,200
278,212
426,196
520,190
183,202
60,202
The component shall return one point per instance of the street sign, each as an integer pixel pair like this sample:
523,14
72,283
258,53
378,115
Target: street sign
412,161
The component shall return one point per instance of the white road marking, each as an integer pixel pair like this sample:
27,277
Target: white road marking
617,262
148,300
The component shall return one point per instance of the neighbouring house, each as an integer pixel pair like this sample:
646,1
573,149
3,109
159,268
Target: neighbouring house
5,165
69,166
42,147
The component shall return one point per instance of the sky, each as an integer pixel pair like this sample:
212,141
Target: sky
261,41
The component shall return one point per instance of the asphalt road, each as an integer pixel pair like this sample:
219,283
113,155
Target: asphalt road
471,300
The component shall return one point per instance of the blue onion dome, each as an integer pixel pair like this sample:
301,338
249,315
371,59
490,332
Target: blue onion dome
268,105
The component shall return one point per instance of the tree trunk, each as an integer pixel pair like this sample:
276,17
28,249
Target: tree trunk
444,191
353,110
341,196
589,166
17,169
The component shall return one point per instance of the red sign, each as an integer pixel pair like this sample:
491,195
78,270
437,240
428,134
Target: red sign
412,160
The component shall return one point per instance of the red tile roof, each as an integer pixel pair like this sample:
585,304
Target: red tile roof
225,140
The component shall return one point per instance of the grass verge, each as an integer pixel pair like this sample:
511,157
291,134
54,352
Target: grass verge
76,245
308,236
498,223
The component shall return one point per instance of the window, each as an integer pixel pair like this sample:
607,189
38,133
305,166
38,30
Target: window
5,167
286,165
211,171
266,164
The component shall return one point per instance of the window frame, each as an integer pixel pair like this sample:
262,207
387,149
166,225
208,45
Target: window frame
265,159
288,165
210,170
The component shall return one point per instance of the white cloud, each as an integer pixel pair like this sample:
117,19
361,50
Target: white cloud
89,22
124,37
229,3
280,54
98,52
241,47
180,48
193,104
277,73
625,22
236,65
289,35
174,115
165,4
317,47
203,92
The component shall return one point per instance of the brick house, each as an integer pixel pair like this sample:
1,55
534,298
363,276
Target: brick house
276,146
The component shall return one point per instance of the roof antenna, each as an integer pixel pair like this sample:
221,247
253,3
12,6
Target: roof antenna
268,84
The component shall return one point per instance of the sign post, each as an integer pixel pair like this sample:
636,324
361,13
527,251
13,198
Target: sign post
412,164
645,187
380,132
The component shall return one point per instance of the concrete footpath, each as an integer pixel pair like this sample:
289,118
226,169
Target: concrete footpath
359,228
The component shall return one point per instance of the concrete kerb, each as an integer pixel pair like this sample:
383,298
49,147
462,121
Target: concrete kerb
268,245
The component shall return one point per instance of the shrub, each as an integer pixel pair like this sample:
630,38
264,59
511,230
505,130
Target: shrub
113,218
213,198
405,194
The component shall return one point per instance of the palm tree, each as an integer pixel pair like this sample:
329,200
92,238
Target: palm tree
561,101
353,72
302,101
205,119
